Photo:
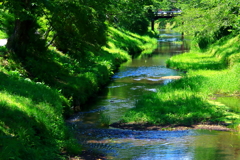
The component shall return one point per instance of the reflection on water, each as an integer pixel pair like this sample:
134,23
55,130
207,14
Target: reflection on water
134,78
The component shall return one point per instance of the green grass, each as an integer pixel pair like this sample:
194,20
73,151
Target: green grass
187,101
31,121
132,43
177,107
37,94
222,54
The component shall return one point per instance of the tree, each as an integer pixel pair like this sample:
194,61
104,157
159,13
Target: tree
75,25
24,38
132,15
209,20
79,25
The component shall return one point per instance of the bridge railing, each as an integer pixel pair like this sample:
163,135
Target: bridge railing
168,13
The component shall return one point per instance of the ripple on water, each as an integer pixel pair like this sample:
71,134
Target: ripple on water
122,144
153,71
118,133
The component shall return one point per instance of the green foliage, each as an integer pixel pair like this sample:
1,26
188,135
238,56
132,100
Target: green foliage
40,23
76,35
166,23
132,15
209,20
3,35
6,24
43,23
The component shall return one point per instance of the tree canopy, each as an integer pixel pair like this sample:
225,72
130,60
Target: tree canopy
72,26
209,20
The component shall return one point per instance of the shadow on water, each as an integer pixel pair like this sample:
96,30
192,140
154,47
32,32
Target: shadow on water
134,78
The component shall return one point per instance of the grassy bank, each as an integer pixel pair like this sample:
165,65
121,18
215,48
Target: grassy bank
31,121
222,54
189,100
35,96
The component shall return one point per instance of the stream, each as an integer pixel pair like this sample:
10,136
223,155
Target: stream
133,79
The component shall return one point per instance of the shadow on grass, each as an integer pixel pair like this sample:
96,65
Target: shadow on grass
22,136
36,92
31,121
74,80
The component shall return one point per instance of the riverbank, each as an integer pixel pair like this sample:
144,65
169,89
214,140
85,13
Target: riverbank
36,96
188,101
149,127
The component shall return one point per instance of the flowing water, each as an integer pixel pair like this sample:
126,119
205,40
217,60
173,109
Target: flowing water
133,79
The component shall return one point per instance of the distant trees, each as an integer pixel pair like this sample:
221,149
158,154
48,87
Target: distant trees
131,15
209,20
136,15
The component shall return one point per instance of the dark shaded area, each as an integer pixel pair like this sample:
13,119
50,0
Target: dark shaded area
28,140
88,155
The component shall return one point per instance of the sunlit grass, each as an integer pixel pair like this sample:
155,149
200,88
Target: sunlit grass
31,120
134,44
219,56
178,107
188,100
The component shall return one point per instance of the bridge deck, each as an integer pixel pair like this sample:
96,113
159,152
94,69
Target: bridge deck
165,14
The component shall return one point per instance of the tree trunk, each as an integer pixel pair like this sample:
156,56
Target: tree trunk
21,37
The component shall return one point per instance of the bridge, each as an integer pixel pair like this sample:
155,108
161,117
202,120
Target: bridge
165,14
